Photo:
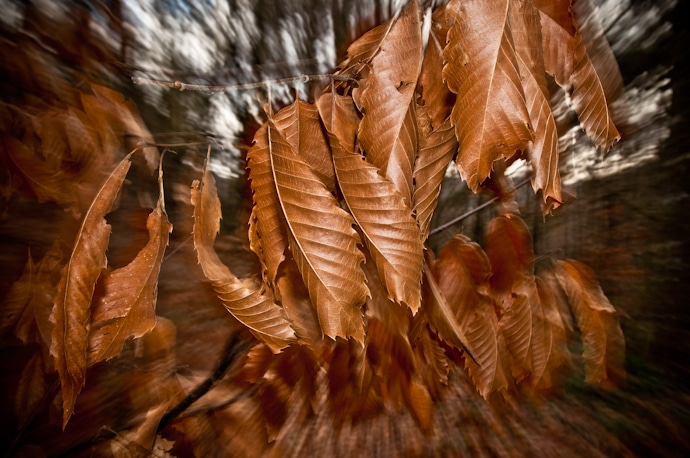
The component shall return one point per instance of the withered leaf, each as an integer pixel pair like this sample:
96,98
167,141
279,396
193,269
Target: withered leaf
434,93
340,118
32,388
242,298
16,301
442,317
297,305
516,327
596,79
436,150
388,130
390,231
461,269
48,183
490,116
509,248
267,232
558,32
128,305
556,354
543,153
602,337
322,241
301,126
72,304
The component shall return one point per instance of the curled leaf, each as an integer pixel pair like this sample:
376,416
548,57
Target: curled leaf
128,305
242,298
72,304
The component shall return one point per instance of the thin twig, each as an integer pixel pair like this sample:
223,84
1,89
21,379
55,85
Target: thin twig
238,87
457,219
234,348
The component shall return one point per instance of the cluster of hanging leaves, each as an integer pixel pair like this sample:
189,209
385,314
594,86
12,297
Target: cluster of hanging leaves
344,191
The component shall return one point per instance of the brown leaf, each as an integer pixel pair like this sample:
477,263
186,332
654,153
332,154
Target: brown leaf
294,297
434,93
31,389
436,150
596,79
516,327
556,354
543,153
242,298
509,248
490,116
301,126
15,304
602,337
421,405
322,241
430,357
461,263
558,32
390,231
128,305
441,317
71,306
340,118
112,109
388,130
267,232
394,316
48,183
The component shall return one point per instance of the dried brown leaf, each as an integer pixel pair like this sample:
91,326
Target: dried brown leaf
32,388
490,116
322,241
15,304
461,263
48,183
543,153
301,126
386,97
596,79
517,328
340,118
434,93
509,248
436,150
242,298
558,32
556,355
267,232
602,337
127,308
390,231
294,297
72,304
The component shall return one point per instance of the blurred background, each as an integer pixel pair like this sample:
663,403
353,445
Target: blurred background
627,218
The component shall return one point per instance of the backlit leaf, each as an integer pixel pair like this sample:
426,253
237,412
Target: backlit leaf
71,307
558,32
509,248
490,116
242,298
